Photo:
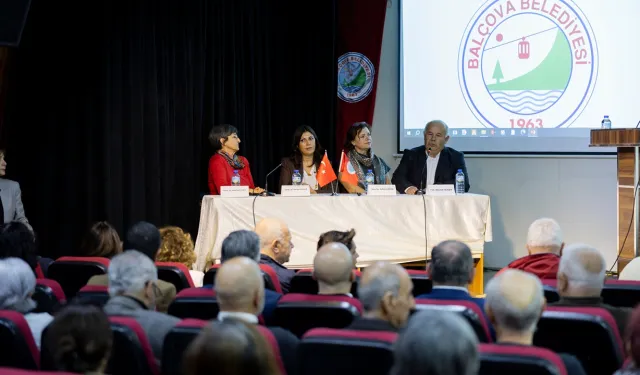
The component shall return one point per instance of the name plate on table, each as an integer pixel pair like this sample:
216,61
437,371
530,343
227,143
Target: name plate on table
381,190
295,191
441,190
234,191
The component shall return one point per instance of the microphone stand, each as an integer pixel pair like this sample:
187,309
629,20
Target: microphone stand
266,192
422,191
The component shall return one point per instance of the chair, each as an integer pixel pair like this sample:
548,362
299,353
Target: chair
421,282
621,293
72,273
97,295
15,371
467,309
270,276
18,346
210,276
176,343
339,351
273,344
299,313
304,283
589,333
131,352
195,303
519,359
48,295
176,274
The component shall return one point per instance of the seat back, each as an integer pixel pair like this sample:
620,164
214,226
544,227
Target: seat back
195,303
15,371
176,274
271,280
72,273
345,352
621,293
519,359
131,352
273,344
299,313
97,295
48,295
467,309
589,333
210,276
18,346
176,343
304,283
421,282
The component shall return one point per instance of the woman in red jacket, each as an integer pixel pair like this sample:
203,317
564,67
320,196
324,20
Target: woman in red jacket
225,162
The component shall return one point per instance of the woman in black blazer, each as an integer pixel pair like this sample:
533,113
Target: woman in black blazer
306,157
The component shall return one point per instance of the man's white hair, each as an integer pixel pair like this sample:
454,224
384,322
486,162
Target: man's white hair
545,232
17,282
574,261
129,273
435,122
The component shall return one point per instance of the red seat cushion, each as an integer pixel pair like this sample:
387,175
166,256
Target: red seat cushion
18,346
271,273
273,343
595,311
179,269
294,297
55,288
477,320
132,325
522,351
383,336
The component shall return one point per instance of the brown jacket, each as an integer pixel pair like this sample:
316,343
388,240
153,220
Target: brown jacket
167,291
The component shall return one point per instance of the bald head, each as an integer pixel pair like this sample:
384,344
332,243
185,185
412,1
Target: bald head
275,239
514,301
332,267
385,290
239,286
451,264
581,272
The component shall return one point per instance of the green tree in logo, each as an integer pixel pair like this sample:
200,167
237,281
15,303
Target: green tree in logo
497,72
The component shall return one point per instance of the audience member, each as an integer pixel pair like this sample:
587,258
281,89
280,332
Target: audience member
145,238
240,295
11,197
385,291
580,281
544,246
17,284
632,344
18,241
514,304
333,269
177,246
133,290
345,238
275,248
436,343
79,340
102,240
231,347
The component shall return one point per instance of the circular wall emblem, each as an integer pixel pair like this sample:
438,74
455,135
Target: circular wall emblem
355,77
528,63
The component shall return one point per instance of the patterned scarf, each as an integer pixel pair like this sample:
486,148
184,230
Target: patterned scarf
370,160
234,162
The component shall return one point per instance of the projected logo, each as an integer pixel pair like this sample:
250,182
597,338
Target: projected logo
355,77
528,63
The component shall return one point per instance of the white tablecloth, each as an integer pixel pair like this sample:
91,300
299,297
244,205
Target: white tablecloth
390,228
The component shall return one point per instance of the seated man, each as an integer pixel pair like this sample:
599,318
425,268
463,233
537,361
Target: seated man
431,164
580,281
240,295
333,269
345,238
275,248
133,290
514,304
244,243
385,291
544,245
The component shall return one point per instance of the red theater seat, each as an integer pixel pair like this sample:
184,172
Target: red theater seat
210,276
131,352
275,348
17,347
467,309
72,273
48,295
176,274
271,280
621,293
519,359
97,295
176,343
304,283
15,371
195,303
421,282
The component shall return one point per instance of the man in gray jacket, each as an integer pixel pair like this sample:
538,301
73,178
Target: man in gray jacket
10,197
133,290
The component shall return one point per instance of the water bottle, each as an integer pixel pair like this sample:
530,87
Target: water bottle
606,123
369,178
296,178
235,179
459,182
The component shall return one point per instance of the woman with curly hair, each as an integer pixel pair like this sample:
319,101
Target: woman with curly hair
177,246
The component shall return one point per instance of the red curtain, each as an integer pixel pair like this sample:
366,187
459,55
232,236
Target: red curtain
361,25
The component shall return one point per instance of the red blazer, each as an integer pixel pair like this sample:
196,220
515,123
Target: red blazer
220,173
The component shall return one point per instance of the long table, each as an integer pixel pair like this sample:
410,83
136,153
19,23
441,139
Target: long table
390,228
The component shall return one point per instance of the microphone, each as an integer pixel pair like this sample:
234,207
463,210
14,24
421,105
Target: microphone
266,192
422,191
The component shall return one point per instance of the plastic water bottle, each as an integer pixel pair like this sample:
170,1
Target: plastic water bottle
459,182
235,179
606,123
296,178
369,178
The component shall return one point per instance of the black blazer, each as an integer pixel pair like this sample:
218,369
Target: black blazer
411,171
287,170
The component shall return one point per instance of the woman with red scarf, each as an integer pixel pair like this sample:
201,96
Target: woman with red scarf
225,142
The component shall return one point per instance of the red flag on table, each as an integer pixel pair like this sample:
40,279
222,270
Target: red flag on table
348,173
325,174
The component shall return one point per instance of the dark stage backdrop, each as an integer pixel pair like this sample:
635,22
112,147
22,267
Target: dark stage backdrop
110,103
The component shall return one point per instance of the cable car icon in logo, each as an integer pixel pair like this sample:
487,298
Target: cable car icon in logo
528,63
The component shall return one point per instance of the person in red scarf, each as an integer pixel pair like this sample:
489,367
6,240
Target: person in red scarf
544,245
226,143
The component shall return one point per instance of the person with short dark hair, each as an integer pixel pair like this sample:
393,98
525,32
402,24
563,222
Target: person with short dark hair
358,148
102,240
226,144
345,238
18,241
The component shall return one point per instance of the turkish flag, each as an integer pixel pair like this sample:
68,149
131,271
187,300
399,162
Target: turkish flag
325,174
348,173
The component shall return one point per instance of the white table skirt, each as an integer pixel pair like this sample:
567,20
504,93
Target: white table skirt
390,228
